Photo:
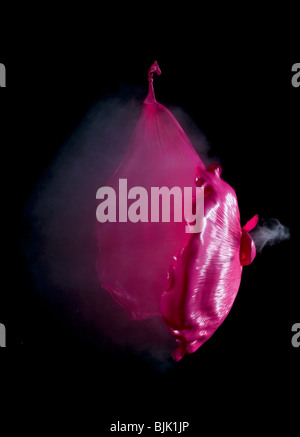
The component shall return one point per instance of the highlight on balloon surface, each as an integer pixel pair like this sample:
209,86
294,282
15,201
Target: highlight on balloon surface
156,268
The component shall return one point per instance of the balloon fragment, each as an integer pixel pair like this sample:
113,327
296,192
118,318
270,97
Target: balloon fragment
205,274
154,267
134,257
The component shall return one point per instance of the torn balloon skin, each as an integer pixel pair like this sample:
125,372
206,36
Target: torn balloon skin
205,275
133,258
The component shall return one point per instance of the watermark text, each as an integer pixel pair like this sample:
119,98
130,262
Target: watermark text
296,336
162,204
296,75
2,335
2,76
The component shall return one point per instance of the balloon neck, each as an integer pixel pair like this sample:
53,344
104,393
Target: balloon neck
150,99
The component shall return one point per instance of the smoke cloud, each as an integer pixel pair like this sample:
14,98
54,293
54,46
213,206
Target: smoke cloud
268,233
60,240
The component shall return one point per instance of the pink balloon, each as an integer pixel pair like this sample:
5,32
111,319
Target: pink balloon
205,274
204,268
134,257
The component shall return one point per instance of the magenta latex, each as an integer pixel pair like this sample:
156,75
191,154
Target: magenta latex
205,274
134,257
191,280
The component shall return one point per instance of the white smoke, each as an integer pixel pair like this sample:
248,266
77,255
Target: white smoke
268,233
59,241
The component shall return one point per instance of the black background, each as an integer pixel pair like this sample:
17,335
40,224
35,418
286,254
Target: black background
234,80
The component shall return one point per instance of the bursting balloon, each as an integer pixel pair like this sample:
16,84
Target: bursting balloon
205,274
156,268
134,257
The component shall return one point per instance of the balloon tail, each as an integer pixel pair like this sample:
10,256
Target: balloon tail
153,69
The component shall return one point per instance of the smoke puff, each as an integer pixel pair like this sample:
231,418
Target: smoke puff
59,239
268,233
197,138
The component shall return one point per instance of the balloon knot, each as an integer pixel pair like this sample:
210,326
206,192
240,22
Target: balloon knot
153,69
